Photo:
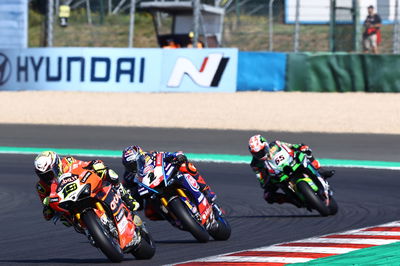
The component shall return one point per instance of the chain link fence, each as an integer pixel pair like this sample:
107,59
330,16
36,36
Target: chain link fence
91,23
262,25
250,25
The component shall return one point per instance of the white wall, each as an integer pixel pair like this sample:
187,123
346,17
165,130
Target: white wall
13,23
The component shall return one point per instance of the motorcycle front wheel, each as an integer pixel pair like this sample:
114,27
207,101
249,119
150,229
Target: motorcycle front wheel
103,239
188,221
333,207
312,199
146,248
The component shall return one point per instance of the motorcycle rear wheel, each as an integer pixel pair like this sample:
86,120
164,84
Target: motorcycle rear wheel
312,199
102,237
189,223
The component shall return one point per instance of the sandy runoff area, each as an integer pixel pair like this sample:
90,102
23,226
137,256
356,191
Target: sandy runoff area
275,111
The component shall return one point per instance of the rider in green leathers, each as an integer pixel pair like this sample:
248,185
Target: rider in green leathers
261,151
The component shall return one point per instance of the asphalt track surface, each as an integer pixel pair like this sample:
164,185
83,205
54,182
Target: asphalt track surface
365,196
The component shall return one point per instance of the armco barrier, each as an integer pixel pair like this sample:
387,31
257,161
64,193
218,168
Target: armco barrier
261,71
119,69
342,72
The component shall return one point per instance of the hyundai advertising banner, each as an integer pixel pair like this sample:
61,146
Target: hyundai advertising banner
118,69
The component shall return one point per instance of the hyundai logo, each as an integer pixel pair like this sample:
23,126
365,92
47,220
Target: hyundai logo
5,69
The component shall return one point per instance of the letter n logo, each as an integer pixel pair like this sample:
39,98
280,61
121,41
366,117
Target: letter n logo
209,74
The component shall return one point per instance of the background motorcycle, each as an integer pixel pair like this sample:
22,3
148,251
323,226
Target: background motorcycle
176,197
94,207
302,183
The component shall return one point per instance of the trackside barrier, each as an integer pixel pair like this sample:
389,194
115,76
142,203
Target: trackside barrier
119,69
343,72
261,71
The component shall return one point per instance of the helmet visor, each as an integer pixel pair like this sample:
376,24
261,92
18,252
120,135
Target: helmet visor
45,177
131,166
262,153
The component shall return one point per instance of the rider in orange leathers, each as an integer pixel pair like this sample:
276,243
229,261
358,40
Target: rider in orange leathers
49,166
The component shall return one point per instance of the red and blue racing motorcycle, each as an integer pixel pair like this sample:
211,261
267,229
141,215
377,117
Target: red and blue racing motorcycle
176,197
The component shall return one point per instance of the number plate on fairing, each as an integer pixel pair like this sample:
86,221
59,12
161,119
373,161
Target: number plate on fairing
281,159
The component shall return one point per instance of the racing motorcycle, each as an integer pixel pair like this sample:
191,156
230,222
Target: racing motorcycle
176,197
95,208
302,182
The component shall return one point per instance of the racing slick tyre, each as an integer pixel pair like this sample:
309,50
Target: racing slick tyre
146,248
312,198
102,237
188,221
222,231
333,207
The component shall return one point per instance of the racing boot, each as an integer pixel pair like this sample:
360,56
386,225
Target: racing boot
326,173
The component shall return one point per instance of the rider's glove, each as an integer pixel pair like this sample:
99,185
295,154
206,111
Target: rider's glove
305,149
132,204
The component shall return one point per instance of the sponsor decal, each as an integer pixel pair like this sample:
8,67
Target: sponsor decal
192,182
122,225
5,69
119,216
148,169
209,75
68,180
159,159
86,176
74,68
53,199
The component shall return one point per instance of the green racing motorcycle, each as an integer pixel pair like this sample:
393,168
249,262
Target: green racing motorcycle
301,182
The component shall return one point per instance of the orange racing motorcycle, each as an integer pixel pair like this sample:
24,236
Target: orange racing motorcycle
94,207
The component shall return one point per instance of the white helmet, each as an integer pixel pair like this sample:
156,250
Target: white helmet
48,166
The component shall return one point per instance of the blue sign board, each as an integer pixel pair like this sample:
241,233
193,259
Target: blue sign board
118,69
264,71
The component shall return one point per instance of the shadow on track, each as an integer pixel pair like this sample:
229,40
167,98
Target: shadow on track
176,241
61,261
276,216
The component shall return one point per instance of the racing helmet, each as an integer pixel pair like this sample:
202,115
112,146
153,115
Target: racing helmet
258,147
48,166
130,157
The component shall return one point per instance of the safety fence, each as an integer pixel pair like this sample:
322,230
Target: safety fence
250,25
342,72
194,70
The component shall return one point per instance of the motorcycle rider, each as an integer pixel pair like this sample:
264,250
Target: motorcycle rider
49,166
261,151
135,159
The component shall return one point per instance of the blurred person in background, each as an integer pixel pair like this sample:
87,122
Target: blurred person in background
372,32
200,44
